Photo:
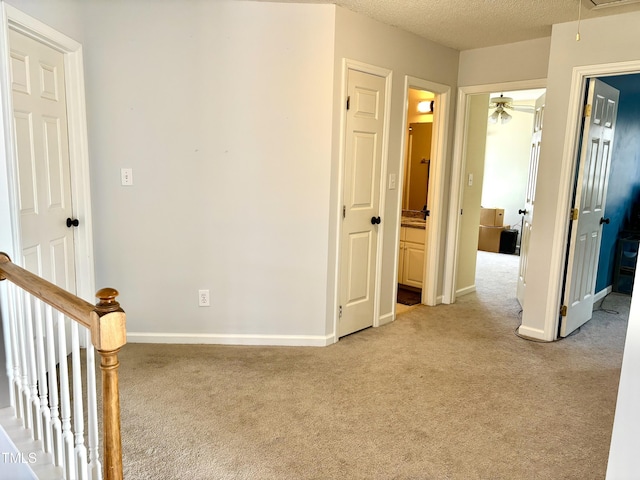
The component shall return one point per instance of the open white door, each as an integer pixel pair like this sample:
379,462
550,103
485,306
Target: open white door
589,204
529,201
361,196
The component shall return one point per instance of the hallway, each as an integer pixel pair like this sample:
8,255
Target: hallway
443,392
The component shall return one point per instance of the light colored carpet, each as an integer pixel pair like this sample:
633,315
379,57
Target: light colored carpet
445,392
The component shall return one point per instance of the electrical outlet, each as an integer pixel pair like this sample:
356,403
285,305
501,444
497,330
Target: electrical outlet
203,298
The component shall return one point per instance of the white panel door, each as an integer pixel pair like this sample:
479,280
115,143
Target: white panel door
590,197
530,198
42,148
361,197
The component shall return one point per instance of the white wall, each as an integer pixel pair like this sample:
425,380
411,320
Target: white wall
623,455
507,165
223,111
365,40
63,15
526,60
229,115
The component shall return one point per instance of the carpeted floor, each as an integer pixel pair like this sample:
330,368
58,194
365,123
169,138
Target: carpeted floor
445,392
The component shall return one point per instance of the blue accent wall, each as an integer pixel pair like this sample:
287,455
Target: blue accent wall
623,194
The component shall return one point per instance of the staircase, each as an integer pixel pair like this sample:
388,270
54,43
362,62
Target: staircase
51,428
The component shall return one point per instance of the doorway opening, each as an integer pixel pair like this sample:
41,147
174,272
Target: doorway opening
497,158
609,254
415,197
514,130
431,192
614,200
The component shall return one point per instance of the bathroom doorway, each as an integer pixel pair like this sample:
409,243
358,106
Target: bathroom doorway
415,198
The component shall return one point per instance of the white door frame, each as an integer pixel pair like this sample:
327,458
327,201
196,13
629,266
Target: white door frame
567,176
439,136
10,241
348,64
457,175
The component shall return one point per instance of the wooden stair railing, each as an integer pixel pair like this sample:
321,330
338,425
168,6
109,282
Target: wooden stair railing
107,323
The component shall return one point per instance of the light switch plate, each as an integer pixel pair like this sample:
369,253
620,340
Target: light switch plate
126,176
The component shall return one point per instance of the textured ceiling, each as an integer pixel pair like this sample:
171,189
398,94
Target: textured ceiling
467,24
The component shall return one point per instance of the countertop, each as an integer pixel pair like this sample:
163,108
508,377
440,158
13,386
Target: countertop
413,219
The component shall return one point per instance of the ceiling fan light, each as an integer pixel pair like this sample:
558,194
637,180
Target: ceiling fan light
505,117
493,118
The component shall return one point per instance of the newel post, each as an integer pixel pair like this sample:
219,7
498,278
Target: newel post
108,334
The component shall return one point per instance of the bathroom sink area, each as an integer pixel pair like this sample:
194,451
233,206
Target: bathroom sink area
413,222
413,219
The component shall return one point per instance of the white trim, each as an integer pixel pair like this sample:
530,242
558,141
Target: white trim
231,339
602,293
439,143
348,64
10,215
388,318
457,174
567,176
78,149
465,291
383,190
534,333
450,275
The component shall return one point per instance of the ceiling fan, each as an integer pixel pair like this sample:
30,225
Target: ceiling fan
501,105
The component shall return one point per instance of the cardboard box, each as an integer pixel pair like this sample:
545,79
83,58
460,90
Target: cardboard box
489,238
492,217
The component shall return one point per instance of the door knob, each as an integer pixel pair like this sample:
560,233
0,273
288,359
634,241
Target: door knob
604,220
375,220
522,212
72,223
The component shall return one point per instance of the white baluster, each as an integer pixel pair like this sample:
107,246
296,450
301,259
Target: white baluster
56,424
34,401
5,327
45,413
15,375
78,400
95,466
65,401
22,350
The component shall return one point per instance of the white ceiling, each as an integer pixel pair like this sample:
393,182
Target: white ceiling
467,24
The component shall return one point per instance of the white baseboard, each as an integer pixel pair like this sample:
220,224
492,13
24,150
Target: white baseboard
465,291
385,319
232,339
602,293
533,333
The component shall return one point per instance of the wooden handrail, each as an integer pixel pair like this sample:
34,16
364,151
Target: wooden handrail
63,301
107,323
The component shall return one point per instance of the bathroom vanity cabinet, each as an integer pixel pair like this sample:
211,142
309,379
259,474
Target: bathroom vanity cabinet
411,256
